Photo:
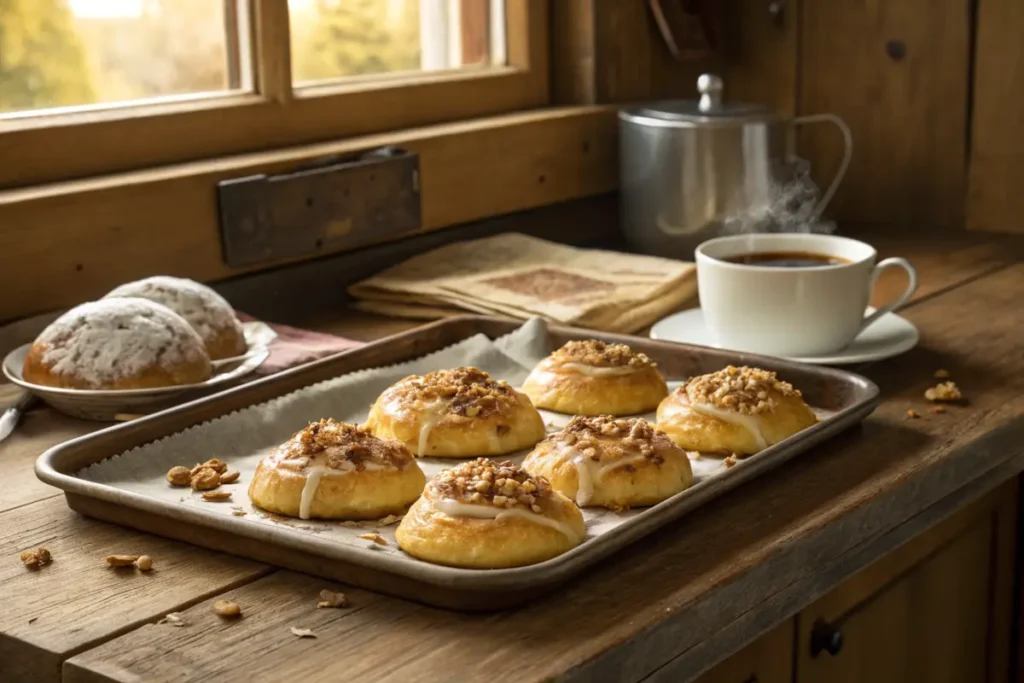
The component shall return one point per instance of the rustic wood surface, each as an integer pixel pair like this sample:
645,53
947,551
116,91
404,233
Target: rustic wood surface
700,591
897,72
994,202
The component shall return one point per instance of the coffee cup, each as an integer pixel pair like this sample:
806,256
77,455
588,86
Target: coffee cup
790,294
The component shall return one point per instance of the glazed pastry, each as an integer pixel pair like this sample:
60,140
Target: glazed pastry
117,344
735,410
612,463
456,413
594,378
334,470
207,312
486,515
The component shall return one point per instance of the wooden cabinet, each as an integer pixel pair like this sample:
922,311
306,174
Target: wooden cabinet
937,609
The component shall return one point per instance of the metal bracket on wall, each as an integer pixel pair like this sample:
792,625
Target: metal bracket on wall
334,203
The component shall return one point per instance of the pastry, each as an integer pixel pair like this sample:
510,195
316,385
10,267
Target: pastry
594,378
334,470
117,344
612,463
735,410
205,310
456,413
487,515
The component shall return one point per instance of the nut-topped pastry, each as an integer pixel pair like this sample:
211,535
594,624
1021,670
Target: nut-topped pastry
614,463
735,410
209,314
456,413
592,377
117,344
334,470
488,515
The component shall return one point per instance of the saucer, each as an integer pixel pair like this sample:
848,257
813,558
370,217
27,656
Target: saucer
889,336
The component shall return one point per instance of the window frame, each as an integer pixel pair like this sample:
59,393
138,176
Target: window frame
275,114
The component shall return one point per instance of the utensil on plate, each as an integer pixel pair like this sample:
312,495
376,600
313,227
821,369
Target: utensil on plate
11,416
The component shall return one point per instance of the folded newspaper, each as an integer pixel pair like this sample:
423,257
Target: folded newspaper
520,276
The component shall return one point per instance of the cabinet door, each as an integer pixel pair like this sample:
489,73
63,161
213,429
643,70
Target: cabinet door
934,610
769,659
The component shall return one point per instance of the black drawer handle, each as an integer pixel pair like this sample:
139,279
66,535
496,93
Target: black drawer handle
825,637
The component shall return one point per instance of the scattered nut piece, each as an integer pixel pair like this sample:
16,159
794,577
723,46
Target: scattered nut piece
693,455
238,513
144,563
303,632
350,524
941,374
912,414
174,619
230,477
944,391
120,560
179,476
226,608
331,599
205,479
376,538
731,461
390,519
44,556
218,466
30,559
938,410
217,496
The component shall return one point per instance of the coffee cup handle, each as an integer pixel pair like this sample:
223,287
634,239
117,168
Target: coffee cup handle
898,301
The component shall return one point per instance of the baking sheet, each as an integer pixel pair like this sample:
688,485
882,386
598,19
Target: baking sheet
243,438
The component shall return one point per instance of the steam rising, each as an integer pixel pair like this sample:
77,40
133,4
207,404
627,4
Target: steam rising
790,204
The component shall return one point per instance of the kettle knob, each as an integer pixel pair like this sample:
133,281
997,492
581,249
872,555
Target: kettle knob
710,88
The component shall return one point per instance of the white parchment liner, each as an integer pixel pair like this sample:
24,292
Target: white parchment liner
242,438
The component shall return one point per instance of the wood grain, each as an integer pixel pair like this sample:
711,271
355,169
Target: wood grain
273,50
38,430
908,113
994,200
767,660
76,602
777,536
165,221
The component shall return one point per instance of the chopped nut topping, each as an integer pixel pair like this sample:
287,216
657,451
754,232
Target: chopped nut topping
731,460
941,374
483,481
744,390
341,446
120,560
302,632
238,513
912,414
467,392
606,438
938,410
144,563
179,476
376,538
944,391
217,496
601,354
226,608
204,479
229,477
331,599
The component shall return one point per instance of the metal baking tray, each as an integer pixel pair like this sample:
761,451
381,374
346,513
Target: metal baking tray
846,398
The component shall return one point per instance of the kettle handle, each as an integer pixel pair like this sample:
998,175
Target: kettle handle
843,165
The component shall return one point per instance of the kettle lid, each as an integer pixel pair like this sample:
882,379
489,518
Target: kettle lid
708,109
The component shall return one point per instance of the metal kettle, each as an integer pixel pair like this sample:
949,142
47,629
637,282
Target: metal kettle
691,170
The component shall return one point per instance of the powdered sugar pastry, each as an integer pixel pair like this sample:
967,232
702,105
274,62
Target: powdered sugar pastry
205,310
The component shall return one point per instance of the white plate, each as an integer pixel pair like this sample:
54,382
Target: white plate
890,336
110,404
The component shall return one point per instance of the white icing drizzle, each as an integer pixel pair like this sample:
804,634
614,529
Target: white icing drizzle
429,420
595,371
748,422
454,508
588,472
309,491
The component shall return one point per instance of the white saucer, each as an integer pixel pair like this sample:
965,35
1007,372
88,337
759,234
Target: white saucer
889,336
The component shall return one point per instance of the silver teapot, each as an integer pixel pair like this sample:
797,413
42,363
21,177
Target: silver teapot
691,170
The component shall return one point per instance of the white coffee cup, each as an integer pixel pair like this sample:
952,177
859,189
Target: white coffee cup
791,311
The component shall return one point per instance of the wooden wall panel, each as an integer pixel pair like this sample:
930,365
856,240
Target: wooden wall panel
897,71
995,199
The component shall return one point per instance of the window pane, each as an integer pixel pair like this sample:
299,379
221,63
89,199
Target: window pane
65,53
343,38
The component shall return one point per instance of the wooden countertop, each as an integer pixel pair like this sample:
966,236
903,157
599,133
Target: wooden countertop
664,609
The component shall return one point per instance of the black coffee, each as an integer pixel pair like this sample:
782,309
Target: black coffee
787,259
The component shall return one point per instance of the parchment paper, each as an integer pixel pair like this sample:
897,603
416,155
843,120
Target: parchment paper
241,439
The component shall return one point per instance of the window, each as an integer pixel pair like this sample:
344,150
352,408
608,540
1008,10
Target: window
90,87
